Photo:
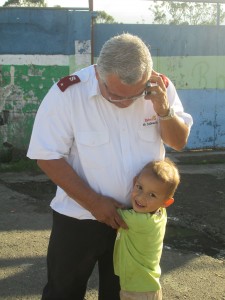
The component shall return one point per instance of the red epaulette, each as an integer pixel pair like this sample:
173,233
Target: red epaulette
165,80
67,81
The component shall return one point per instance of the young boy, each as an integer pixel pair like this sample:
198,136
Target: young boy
138,250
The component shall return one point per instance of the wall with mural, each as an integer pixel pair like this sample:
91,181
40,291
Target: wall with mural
193,57
39,46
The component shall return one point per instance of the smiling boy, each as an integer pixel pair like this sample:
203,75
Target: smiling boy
138,250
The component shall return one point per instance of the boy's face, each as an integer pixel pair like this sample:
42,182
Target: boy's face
149,193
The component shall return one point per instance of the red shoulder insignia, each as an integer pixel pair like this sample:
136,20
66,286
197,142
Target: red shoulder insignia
67,81
165,80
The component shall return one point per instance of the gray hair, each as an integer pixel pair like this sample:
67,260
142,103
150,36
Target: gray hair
126,56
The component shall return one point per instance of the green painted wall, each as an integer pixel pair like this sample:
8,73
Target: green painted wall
193,72
22,88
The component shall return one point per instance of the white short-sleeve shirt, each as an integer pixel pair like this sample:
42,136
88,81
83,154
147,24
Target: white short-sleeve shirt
106,145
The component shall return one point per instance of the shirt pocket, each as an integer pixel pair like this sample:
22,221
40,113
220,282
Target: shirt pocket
148,135
149,144
94,149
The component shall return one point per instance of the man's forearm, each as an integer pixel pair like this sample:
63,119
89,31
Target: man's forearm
174,133
63,175
103,208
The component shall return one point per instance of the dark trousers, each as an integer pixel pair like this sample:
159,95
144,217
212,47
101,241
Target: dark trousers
74,248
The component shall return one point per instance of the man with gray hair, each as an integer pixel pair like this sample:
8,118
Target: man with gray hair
93,132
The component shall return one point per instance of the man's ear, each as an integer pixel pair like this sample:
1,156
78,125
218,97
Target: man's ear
168,202
96,73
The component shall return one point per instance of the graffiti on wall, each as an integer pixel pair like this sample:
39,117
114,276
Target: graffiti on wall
204,72
21,91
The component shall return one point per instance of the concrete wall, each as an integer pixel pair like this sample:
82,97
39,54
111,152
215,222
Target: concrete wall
39,46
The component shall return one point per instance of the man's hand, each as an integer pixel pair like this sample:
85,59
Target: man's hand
156,92
105,211
103,208
174,132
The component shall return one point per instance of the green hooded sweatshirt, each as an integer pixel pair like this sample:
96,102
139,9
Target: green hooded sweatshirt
138,250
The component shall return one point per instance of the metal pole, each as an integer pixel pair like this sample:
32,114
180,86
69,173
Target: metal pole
91,8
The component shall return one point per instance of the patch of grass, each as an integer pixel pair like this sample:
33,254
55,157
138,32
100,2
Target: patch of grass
20,166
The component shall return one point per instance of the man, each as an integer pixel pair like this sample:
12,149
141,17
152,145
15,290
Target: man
93,132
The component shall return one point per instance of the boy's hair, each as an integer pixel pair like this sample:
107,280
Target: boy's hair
166,171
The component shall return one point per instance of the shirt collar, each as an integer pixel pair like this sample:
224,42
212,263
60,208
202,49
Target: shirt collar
94,89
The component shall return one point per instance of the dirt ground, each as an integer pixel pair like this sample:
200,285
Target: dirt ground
193,261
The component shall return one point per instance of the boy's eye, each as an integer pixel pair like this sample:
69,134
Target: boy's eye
138,186
152,195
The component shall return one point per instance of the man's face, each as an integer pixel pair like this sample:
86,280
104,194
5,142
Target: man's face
120,94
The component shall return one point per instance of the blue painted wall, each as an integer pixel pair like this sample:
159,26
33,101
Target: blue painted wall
207,108
169,40
42,30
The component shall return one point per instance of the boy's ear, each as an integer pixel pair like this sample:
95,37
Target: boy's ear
168,202
134,180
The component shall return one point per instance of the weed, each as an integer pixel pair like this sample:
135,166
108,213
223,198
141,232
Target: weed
21,165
